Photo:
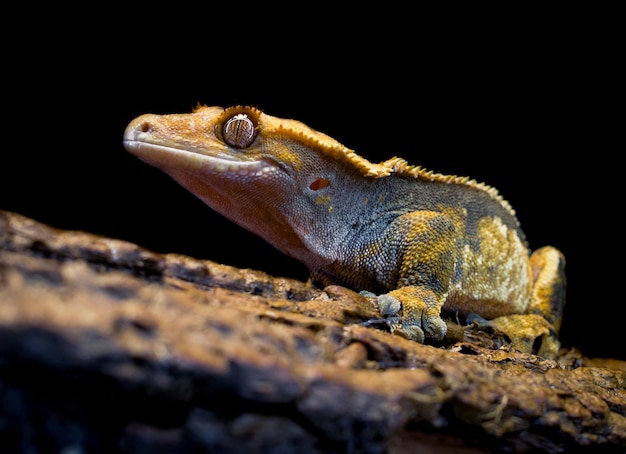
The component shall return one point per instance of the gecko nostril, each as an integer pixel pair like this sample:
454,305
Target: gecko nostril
145,127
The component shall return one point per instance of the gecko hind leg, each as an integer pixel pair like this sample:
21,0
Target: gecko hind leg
548,296
536,331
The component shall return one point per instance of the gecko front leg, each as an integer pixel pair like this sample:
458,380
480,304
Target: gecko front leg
427,259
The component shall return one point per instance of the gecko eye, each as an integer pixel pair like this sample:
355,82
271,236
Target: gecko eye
239,131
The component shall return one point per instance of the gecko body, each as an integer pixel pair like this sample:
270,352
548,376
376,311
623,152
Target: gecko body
426,244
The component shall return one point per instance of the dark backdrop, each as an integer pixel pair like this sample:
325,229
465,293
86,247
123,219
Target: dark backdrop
525,107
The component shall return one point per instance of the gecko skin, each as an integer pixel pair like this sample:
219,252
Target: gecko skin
427,244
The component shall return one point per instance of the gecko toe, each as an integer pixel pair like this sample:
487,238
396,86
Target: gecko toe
388,305
435,328
413,332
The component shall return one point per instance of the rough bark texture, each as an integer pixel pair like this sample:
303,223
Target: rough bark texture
108,347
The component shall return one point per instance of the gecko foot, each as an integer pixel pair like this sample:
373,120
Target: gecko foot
416,328
528,333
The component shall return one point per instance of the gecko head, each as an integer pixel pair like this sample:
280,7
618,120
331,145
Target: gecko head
203,143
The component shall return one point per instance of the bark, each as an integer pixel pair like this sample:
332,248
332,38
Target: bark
108,347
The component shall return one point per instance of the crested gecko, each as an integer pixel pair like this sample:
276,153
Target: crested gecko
424,244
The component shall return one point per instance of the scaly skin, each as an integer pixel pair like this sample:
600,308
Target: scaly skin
428,244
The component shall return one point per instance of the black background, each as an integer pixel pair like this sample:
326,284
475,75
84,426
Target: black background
526,103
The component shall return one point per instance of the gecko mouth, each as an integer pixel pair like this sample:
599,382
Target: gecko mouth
167,157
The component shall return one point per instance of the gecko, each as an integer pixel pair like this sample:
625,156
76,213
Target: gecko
426,245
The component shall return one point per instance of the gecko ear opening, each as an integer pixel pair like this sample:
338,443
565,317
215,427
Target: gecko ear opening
319,183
